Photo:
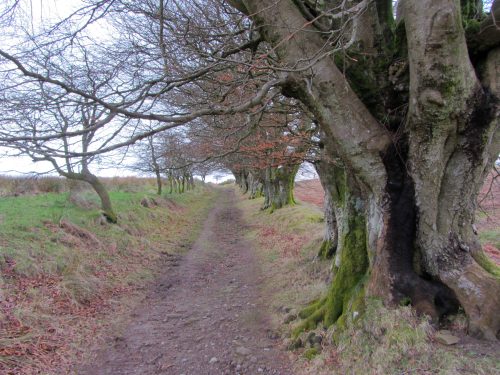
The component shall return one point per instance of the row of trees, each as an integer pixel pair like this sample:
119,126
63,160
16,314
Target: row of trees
400,115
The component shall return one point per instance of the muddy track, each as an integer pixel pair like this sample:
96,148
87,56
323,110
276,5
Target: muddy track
203,315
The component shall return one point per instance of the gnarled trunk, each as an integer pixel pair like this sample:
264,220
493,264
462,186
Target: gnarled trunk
278,186
332,177
241,178
351,259
453,125
254,184
410,194
102,192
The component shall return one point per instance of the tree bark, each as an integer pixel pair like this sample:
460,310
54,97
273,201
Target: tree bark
351,263
331,176
254,184
278,186
453,126
99,188
409,199
102,192
158,182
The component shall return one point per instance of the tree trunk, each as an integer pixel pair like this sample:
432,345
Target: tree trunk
278,186
409,200
170,184
351,259
158,182
243,181
99,188
102,192
254,184
176,185
453,125
331,175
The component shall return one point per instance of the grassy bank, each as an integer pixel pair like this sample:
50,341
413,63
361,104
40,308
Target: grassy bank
65,272
380,341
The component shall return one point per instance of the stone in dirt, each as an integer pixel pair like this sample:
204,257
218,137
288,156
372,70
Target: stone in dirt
241,350
446,338
213,360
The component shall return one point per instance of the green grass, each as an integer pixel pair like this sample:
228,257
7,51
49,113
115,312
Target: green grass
491,236
287,242
397,341
46,266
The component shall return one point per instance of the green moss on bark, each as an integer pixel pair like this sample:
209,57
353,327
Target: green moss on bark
347,289
326,250
485,262
110,216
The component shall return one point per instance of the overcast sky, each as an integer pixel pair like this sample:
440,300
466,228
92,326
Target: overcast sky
39,12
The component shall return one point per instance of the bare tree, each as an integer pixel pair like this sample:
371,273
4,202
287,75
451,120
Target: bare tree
37,113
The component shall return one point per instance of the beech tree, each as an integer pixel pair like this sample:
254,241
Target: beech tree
149,159
33,113
410,107
268,163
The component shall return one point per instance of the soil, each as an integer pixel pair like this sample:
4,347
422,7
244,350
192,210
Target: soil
205,314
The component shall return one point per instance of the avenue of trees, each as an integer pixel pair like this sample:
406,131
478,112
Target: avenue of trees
395,103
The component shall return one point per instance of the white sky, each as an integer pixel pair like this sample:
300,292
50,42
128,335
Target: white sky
39,12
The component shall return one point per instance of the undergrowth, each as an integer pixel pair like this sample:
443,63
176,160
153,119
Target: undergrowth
378,340
64,271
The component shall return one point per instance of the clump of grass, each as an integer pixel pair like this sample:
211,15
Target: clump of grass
16,186
397,341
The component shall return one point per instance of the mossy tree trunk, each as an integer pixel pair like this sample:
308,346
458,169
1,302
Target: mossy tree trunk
278,186
170,183
412,177
332,177
351,259
453,127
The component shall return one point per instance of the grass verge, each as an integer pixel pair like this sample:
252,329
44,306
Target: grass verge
380,341
65,274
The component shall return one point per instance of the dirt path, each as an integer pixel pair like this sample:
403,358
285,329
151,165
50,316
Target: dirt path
203,316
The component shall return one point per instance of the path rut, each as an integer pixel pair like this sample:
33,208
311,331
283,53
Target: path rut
203,315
